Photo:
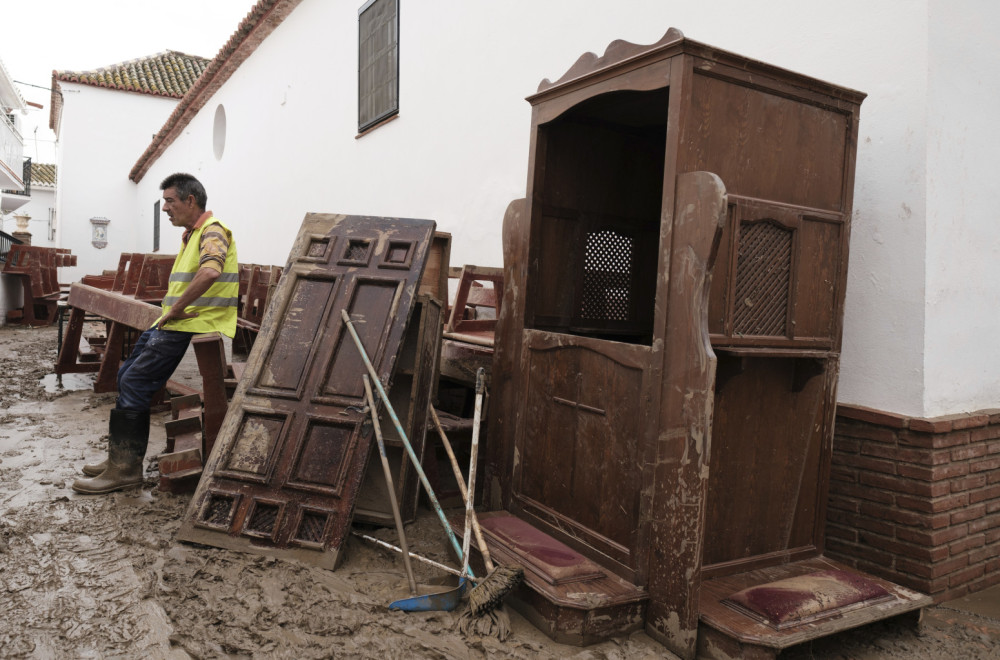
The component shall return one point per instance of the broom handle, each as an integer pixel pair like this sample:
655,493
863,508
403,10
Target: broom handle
388,482
470,513
447,569
480,541
402,436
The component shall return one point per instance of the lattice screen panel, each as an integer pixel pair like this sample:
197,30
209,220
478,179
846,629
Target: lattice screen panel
763,272
607,277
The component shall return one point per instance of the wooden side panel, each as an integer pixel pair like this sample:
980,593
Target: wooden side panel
765,145
677,476
766,466
284,368
504,401
435,280
819,278
293,448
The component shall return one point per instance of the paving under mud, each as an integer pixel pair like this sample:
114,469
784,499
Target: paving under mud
104,576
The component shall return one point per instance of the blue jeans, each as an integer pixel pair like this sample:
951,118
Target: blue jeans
153,360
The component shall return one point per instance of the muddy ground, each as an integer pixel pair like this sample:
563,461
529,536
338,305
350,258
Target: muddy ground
105,577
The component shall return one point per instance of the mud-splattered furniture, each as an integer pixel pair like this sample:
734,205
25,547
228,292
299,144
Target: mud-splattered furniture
257,284
434,281
37,269
611,432
143,276
126,314
480,288
130,304
196,418
293,449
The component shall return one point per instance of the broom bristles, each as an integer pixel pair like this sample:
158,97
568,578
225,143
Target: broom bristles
494,623
489,594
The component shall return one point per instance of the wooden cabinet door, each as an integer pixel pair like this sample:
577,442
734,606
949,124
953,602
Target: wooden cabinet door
285,472
579,471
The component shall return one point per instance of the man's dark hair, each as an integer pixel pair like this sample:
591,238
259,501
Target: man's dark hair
185,185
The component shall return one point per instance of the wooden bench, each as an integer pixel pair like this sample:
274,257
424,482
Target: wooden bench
198,414
254,296
144,276
197,418
473,316
37,267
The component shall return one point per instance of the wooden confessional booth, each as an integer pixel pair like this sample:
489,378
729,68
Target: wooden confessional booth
660,438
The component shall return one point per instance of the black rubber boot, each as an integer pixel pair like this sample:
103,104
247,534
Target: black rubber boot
126,449
94,469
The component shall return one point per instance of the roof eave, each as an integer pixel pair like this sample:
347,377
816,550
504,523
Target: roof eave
260,22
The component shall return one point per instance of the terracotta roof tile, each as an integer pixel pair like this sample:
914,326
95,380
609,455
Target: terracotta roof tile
165,74
262,19
43,174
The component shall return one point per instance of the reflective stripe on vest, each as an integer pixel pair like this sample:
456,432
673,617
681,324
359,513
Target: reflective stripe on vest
216,308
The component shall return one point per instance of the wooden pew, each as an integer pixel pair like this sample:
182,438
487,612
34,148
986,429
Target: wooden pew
37,267
260,283
199,414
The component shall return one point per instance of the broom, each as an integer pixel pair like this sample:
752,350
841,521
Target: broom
494,586
500,580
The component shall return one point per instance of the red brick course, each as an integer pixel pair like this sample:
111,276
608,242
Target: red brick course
917,501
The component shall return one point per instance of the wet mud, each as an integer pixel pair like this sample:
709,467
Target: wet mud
105,577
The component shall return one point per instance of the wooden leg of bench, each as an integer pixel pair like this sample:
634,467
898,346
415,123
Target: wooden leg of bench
211,355
107,375
29,303
51,311
68,361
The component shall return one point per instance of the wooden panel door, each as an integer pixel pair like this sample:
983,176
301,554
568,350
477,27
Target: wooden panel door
286,469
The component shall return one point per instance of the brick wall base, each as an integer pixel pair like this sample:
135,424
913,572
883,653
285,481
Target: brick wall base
917,501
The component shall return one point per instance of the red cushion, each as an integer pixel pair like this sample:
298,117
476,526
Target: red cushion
806,598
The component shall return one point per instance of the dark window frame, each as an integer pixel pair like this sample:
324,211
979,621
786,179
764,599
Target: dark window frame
381,114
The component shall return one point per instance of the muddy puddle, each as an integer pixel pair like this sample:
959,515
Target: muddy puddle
56,383
105,577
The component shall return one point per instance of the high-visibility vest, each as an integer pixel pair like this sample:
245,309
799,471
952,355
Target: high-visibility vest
216,307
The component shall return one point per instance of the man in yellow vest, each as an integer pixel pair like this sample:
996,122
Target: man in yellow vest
201,297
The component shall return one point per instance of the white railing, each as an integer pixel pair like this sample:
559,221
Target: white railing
11,145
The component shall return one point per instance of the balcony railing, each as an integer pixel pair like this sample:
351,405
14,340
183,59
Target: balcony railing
26,178
6,240
11,143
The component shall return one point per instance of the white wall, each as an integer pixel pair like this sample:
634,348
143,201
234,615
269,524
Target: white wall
103,132
11,295
458,151
42,199
963,232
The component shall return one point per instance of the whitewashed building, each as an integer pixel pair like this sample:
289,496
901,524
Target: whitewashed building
40,208
13,193
101,119
12,107
274,133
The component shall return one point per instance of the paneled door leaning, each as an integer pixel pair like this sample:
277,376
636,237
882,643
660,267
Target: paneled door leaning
288,463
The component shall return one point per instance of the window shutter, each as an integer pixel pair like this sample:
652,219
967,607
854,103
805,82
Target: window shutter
378,62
